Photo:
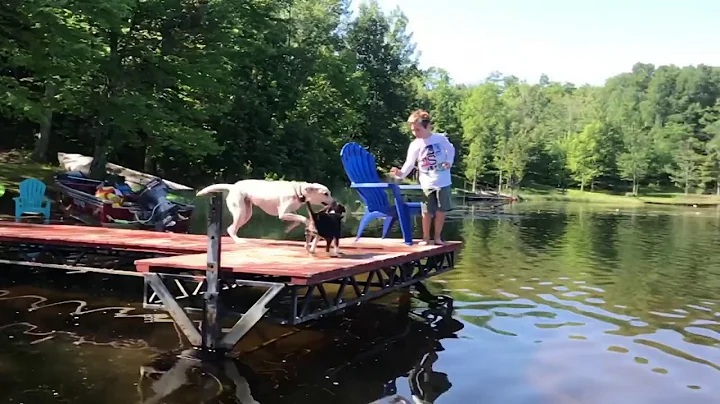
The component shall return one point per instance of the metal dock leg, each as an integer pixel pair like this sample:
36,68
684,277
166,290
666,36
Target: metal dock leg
209,337
252,316
210,326
173,308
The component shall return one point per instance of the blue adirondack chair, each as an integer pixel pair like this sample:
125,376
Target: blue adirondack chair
361,169
32,199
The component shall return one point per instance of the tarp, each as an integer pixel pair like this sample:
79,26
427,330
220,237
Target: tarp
78,162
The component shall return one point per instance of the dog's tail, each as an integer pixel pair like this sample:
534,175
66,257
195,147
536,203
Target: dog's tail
214,188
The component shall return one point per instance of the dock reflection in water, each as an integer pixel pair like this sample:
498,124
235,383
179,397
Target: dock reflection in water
287,373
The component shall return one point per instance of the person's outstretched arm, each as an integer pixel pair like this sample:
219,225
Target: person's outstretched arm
410,161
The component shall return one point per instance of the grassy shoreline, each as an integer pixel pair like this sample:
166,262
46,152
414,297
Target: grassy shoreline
649,198
16,166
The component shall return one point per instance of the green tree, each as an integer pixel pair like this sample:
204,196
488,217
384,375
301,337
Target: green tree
634,161
685,169
584,154
483,121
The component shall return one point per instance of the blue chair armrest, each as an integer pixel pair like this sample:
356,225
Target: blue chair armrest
370,185
384,185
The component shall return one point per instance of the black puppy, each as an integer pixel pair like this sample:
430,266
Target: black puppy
326,224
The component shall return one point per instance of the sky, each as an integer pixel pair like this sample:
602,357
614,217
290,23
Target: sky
581,41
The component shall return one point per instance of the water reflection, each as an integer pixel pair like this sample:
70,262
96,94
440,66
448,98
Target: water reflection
554,303
378,362
584,285
63,343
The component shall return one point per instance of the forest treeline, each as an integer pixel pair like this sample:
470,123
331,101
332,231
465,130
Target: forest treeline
200,90
656,126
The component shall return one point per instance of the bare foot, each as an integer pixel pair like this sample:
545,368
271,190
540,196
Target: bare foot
424,242
438,242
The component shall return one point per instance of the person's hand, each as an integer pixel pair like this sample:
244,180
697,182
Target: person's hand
395,171
445,165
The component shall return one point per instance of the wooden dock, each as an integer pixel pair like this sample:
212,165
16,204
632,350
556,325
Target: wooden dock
298,286
266,257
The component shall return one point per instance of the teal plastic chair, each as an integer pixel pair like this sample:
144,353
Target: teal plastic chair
32,199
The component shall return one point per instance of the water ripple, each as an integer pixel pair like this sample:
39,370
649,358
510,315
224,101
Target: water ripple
636,285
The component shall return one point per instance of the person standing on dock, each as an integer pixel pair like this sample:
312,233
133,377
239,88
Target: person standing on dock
434,155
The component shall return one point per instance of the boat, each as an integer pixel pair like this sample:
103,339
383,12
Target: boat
143,202
486,196
74,162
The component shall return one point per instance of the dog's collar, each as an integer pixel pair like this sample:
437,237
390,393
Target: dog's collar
298,193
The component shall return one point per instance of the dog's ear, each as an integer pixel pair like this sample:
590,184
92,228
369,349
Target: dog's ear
313,188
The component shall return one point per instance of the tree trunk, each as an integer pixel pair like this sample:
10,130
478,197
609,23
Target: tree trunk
42,143
582,186
500,183
634,188
97,167
102,132
148,162
474,187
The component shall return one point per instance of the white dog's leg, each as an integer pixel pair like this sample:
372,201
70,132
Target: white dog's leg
294,217
241,211
314,244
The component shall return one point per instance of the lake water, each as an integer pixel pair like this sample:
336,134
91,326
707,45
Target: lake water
554,303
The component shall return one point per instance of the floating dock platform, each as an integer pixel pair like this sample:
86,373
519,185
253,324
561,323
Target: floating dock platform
185,273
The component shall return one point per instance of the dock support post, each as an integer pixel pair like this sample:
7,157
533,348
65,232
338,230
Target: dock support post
210,325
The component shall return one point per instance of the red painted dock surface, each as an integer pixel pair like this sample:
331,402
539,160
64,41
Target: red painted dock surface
253,256
125,239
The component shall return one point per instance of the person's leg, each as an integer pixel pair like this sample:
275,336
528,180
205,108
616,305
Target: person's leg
444,204
428,208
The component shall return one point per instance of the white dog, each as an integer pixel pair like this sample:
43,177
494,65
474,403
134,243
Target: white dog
277,198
